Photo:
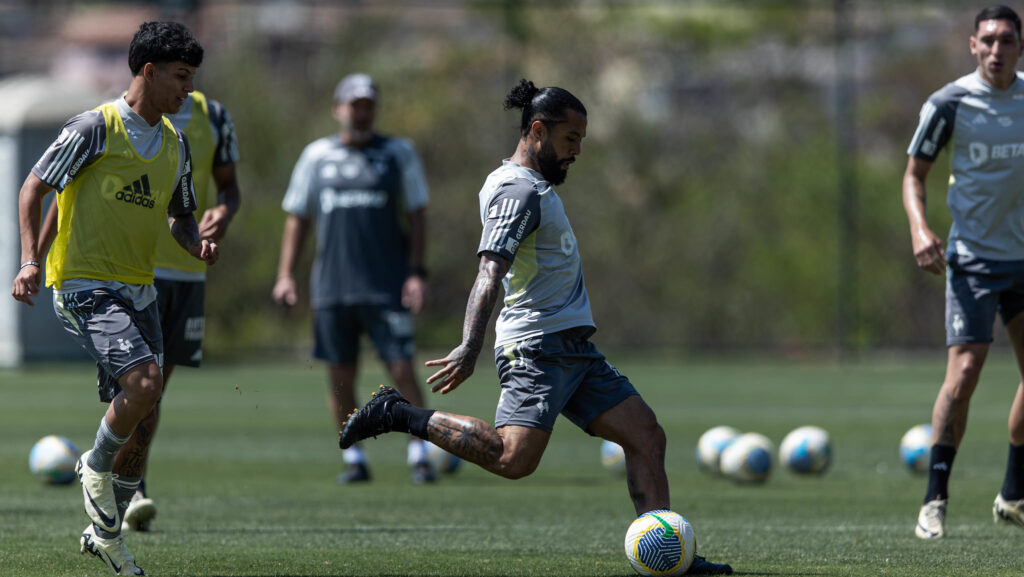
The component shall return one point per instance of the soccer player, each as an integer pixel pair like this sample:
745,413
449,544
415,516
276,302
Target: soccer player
123,173
546,363
367,195
979,116
180,280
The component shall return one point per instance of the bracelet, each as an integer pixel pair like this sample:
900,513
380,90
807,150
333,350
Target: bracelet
29,263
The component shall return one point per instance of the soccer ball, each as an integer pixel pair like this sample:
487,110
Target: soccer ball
806,450
52,460
443,461
710,447
660,542
915,447
748,459
613,458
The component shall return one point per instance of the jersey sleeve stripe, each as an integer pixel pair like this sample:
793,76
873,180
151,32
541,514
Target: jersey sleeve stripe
507,216
62,161
928,112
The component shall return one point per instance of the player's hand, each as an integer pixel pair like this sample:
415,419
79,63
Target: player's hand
26,284
414,293
928,252
284,292
214,223
455,369
205,250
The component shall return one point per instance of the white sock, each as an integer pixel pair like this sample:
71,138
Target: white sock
417,451
353,456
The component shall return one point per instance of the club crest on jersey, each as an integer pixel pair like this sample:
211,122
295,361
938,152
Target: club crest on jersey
137,193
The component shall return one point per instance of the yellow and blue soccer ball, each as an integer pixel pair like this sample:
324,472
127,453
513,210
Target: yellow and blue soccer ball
710,446
806,450
52,460
660,542
915,448
613,458
748,459
443,461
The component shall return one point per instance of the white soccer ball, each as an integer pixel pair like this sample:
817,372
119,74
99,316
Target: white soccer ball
748,459
710,447
443,461
915,447
613,458
806,450
52,460
660,542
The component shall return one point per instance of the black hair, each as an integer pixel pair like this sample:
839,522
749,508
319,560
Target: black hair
997,12
545,104
162,42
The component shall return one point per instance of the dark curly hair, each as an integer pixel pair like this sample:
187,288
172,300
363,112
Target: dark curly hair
545,104
161,42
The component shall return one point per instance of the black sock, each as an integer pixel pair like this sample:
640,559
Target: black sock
940,465
410,419
1013,485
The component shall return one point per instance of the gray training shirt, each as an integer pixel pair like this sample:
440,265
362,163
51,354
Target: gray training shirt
985,128
525,223
358,198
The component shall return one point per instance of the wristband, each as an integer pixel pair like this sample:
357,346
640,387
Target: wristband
29,263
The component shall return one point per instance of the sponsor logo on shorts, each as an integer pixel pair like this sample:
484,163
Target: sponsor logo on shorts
125,346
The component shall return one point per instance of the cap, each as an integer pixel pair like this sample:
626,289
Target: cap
355,86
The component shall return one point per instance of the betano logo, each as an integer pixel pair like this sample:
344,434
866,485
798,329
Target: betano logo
137,193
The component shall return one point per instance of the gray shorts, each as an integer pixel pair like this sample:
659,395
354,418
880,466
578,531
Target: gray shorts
977,288
117,336
182,318
337,331
559,373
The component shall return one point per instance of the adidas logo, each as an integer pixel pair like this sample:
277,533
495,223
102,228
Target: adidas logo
137,193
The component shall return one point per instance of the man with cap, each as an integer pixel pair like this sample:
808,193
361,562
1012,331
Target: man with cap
367,195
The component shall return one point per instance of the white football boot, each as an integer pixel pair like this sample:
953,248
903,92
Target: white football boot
931,521
98,490
113,552
140,512
1008,511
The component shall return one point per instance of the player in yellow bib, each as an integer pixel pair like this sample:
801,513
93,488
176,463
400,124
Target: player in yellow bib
122,172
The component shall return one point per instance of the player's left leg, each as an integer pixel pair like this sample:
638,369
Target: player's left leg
633,426
1009,504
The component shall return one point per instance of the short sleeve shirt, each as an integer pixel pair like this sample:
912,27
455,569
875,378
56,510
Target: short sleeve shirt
984,130
524,222
358,198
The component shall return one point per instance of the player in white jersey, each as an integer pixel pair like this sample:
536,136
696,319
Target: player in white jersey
978,117
546,363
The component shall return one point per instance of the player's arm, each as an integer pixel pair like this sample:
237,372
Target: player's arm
48,231
296,228
926,244
460,363
216,219
181,218
415,288
30,198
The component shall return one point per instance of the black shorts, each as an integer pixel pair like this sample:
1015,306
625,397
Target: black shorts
182,307
975,290
337,331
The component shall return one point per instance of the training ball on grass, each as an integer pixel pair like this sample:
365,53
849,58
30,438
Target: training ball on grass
52,460
443,461
748,459
806,450
660,542
915,448
613,458
710,446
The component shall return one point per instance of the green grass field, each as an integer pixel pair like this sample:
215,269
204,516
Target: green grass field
244,463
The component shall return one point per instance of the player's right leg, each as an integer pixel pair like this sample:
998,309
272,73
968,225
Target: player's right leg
632,425
111,551
1009,503
341,400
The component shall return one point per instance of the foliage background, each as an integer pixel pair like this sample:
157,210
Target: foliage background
732,147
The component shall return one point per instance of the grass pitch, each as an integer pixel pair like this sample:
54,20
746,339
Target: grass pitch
244,462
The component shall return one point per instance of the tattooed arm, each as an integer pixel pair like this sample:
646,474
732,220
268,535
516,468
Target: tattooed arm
460,363
185,230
